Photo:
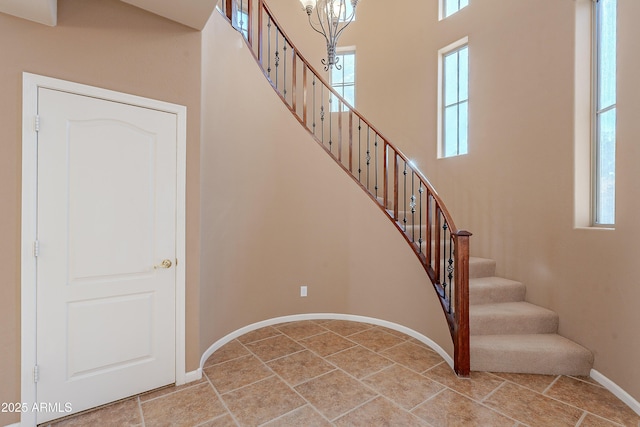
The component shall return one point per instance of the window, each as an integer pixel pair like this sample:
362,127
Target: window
454,99
242,22
449,7
604,111
344,80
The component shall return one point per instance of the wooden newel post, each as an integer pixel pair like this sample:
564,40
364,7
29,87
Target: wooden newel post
462,356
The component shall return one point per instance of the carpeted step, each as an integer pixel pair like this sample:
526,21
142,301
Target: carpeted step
481,267
511,318
486,290
548,354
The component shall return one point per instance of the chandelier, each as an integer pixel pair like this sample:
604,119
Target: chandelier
330,18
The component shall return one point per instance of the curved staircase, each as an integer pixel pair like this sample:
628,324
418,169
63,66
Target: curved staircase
492,327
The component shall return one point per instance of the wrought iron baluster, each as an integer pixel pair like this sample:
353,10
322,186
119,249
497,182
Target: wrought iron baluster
314,104
330,121
322,112
277,57
359,149
450,268
420,191
368,158
412,205
269,45
375,144
284,78
404,219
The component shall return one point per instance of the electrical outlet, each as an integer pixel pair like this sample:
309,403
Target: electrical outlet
303,291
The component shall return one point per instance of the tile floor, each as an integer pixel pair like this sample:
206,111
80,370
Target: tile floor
342,373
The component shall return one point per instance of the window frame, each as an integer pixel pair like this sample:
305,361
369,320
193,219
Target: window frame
339,87
596,113
455,47
443,8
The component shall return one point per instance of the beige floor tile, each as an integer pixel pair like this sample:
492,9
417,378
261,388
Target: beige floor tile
359,362
305,416
376,339
379,412
532,408
169,389
477,386
398,334
403,386
595,421
413,356
231,350
594,399
263,401
346,328
537,383
185,408
335,393
274,347
119,414
300,367
327,343
223,421
236,373
452,409
301,330
259,334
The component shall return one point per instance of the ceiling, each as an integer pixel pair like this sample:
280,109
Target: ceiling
192,13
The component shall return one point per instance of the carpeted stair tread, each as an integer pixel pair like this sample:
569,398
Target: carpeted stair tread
511,318
486,290
548,354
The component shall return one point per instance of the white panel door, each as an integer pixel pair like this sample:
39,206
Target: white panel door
106,222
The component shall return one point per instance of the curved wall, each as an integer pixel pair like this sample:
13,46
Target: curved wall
278,212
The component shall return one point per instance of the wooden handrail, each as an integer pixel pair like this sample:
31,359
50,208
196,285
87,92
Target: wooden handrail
448,272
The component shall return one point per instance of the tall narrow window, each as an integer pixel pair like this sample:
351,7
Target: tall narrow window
449,7
454,99
605,111
344,80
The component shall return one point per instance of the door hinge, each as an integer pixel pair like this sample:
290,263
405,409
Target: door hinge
36,248
36,123
36,374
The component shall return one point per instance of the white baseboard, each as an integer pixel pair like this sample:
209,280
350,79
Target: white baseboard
616,390
193,376
317,316
13,425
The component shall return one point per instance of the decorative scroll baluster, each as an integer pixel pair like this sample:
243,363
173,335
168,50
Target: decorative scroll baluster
284,77
322,114
368,158
404,198
314,104
412,205
330,122
269,46
420,240
375,144
277,58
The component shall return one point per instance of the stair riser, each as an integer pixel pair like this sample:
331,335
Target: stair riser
512,325
553,355
495,290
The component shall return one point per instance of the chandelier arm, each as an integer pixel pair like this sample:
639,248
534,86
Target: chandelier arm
313,26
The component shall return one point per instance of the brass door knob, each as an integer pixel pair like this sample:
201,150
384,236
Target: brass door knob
164,264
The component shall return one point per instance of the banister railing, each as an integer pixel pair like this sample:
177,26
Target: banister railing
381,169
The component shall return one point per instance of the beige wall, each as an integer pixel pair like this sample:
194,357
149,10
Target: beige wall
515,189
278,213
108,44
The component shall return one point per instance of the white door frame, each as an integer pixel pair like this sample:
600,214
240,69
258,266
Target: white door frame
31,83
